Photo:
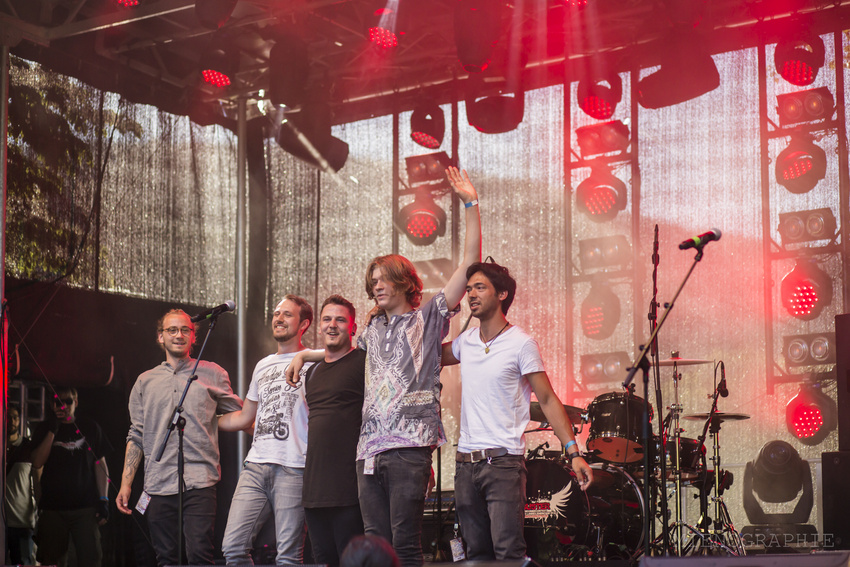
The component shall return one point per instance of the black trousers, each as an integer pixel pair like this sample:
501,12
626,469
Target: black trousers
198,527
331,529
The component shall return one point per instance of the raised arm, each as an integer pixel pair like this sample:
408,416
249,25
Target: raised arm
293,371
557,417
239,419
456,286
132,459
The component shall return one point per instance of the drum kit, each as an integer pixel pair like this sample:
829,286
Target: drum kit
615,518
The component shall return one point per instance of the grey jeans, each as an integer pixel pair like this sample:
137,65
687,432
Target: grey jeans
266,490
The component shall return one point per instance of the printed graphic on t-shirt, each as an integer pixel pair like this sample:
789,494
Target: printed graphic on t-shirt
276,402
71,445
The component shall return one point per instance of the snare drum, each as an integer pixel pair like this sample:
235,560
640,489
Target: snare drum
616,427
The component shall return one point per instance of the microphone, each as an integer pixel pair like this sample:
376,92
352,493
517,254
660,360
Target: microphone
699,241
721,388
228,305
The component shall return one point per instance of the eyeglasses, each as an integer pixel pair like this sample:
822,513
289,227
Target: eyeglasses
63,401
182,330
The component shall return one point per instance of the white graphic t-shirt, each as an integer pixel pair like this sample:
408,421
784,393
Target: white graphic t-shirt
280,431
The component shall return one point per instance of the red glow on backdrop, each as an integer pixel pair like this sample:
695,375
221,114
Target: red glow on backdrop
216,78
127,3
383,38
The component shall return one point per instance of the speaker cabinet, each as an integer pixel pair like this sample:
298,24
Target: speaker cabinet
842,379
826,559
836,498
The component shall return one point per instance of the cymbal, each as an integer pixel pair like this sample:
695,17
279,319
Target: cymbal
682,361
719,415
573,412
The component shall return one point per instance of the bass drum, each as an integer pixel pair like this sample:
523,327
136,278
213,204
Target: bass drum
562,522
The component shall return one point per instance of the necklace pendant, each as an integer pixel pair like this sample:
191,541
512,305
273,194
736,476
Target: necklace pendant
486,350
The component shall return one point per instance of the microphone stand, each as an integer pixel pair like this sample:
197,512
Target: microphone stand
653,321
179,422
642,363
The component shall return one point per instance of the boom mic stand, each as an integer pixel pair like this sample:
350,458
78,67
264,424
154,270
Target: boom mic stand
653,321
642,363
179,422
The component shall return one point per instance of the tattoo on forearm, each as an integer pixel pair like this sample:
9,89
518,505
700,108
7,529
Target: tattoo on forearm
131,461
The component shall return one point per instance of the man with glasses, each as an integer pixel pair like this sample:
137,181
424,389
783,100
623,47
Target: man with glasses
74,499
152,401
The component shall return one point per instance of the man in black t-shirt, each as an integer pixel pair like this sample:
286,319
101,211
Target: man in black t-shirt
74,499
334,390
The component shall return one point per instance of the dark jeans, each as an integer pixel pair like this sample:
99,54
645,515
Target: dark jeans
198,526
20,546
392,500
331,529
54,529
490,500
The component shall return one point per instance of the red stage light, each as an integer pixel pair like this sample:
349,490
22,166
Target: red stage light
805,291
383,38
428,125
600,312
216,78
422,220
801,165
127,3
599,98
810,415
601,196
798,61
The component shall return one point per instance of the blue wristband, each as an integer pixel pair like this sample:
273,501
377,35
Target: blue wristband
472,203
569,444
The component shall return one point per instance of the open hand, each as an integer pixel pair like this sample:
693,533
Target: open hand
461,184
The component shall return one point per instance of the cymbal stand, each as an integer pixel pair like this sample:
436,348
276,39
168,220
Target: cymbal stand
724,536
675,410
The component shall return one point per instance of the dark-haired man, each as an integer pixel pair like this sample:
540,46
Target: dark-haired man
74,482
334,389
401,407
152,401
500,365
271,480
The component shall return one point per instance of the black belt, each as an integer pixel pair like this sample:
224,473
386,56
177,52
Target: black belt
480,455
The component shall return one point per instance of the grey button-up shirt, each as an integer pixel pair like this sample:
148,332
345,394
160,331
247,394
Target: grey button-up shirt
152,401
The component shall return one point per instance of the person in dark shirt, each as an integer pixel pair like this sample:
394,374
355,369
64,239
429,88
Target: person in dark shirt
334,390
74,500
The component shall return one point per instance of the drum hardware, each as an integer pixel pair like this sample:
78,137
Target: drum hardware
616,422
536,413
677,361
719,533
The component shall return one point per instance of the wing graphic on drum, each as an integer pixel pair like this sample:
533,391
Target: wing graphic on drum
558,504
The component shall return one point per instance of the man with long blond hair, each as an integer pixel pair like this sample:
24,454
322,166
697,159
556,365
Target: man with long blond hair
401,410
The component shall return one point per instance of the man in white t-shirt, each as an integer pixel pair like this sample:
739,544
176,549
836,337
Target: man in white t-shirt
271,481
500,365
